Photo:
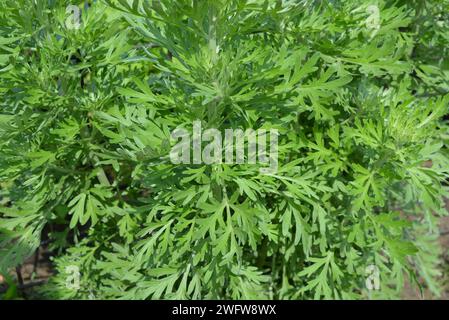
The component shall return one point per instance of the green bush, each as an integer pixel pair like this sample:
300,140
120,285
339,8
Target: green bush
356,89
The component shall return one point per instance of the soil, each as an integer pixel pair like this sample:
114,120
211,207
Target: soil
38,269
410,293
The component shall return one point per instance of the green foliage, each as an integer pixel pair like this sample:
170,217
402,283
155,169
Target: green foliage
85,123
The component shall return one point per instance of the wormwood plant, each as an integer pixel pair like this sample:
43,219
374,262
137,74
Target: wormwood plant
356,89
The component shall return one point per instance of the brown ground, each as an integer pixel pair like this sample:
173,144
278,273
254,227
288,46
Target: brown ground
413,293
37,270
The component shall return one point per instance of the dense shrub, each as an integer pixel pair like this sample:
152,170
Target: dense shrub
85,123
